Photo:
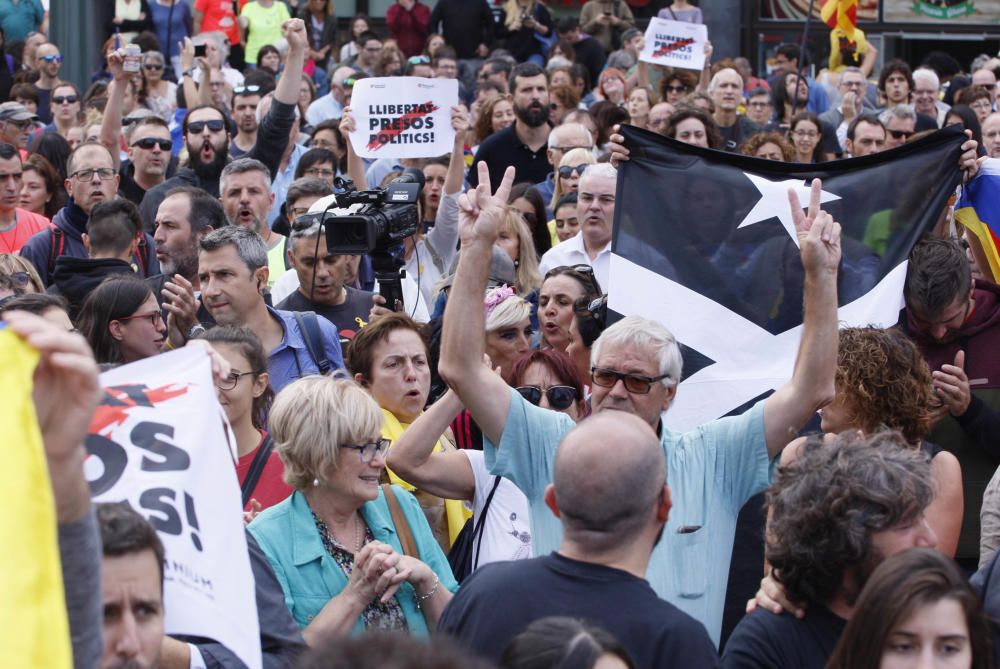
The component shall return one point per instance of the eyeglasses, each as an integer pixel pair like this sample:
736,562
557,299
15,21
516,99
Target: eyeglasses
87,174
64,99
234,377
20,125
153,316
149,142
634,383
901,134
246,90
566,171
560,397
981,104
676,89
215,125
320,173
52,59
368,452
13,176
154,67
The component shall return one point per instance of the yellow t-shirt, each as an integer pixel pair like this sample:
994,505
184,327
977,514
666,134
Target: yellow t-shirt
275,260
264,27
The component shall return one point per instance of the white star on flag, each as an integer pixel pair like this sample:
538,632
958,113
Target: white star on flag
773,202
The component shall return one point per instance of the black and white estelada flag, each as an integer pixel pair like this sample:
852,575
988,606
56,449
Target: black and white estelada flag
704,243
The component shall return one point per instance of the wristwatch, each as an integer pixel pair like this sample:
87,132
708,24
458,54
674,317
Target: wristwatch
188,72
196,331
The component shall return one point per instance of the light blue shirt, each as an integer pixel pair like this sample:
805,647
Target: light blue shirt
291,359
322,109
310,577
712,471
281,182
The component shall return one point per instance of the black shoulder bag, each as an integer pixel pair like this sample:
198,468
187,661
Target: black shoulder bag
256,469
460,557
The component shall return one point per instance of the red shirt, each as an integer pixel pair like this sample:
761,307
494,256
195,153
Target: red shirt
271,488
220,16
28,224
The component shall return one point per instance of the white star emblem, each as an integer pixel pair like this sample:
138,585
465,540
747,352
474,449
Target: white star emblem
773,202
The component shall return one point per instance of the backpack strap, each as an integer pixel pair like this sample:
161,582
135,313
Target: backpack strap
403,531
480,526
256,468
142,255
309,327
57,243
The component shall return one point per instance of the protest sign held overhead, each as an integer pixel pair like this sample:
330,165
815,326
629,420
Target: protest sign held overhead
158,442
711,236
403,117
675,44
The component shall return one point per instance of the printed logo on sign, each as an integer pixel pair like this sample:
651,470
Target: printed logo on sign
163,505
388,123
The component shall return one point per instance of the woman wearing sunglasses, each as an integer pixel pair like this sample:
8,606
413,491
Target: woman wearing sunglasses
572,165
246,397
121,320
156,93
335,545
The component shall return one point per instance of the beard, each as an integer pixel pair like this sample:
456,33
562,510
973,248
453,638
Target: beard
209,171
534,115
186,265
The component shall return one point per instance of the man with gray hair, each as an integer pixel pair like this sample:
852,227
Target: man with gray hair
562,138
900,124
613,512
595,210
232,272
926,86
247,197
636,366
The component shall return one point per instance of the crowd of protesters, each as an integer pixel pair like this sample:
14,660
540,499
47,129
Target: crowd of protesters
541,513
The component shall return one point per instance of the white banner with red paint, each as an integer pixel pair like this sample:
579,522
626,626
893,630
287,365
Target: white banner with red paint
159,442
675,44
403,117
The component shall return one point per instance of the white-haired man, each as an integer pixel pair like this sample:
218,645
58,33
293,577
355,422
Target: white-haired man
562,138
636,364
926,86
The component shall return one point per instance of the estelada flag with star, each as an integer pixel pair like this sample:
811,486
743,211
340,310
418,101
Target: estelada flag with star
704,243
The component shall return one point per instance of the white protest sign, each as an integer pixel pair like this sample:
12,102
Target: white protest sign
157,441
403,117
675,44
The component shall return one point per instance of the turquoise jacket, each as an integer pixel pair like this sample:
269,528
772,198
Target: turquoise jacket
308,575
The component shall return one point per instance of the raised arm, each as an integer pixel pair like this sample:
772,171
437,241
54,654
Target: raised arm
811,385
111,123
412,457
288,86
455,177
463,340
355,165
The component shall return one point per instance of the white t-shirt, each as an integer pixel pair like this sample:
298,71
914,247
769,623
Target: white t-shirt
507,532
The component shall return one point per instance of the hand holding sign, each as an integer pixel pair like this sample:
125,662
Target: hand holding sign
403,117
675,44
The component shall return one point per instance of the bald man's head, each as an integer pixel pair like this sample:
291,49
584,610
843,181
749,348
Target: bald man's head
609,474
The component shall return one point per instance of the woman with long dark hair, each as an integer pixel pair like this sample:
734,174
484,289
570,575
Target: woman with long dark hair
41,188
121,320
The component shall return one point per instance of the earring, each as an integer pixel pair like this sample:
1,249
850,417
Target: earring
316,483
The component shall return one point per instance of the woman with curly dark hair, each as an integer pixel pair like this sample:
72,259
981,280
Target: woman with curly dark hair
694,126
769,145
883,382
916,602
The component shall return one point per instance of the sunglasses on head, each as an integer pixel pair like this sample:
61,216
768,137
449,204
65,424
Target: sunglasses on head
560,397
149,142
566,171
349,82
243,90
67,99
52,59
418,60
215,125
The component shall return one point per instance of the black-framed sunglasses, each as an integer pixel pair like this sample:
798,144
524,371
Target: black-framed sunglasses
215,125
149,142
21,278
233,379
368,452
560,397
67,99
154,67
901,134
676,89
634,383
566,171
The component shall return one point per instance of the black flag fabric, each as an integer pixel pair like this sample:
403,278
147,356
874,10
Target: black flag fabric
704,243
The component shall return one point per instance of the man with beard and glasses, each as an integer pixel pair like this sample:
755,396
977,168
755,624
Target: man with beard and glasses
522,145
247,198
613,512
206,132
840,508
185,216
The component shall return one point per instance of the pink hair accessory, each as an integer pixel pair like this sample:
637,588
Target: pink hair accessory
496,297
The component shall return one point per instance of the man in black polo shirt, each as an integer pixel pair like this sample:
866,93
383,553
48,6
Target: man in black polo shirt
523,144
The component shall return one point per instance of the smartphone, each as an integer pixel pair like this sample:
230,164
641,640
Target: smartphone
199,51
